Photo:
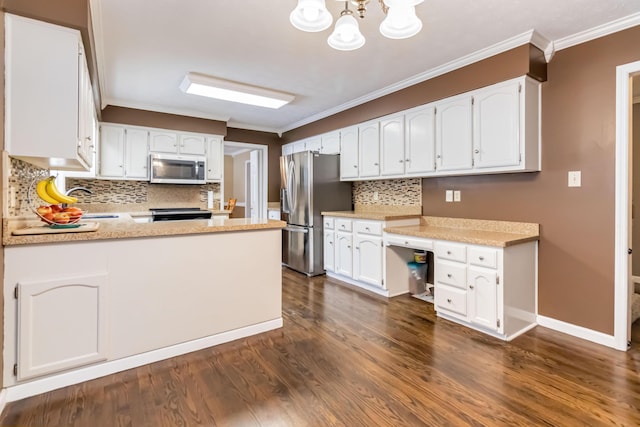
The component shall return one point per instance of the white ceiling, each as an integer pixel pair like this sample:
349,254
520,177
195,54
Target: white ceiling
145,48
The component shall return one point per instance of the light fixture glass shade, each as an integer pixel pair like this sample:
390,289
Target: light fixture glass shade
346,35
226,90
401,21
311,16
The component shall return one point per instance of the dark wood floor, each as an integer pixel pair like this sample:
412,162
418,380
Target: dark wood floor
347,359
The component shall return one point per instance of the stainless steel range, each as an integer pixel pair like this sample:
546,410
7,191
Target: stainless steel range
177,214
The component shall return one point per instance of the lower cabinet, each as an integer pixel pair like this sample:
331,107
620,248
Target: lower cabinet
61,324
344,254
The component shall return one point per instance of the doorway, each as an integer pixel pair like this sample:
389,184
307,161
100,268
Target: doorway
245,165
624,187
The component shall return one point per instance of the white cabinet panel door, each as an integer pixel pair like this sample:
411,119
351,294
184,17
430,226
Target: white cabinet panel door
349,153
137,153
193,144
420,141
329,251
368,259
496,126
61,324
392,146
330,143
454,134
482,298
111,151
163,142
369,141
215,158
344,254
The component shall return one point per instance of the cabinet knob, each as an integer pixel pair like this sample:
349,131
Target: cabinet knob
358,247
449,275
481,258
406,243
401,161
476,151
438,156
120,166
348,246
367,228
355,166
448,252
407,160
470,286
375,164
449,300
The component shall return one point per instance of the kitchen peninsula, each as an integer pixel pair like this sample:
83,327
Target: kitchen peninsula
93,303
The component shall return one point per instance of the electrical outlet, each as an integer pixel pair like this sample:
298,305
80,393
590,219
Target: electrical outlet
376,196
448,196
575,179
456,196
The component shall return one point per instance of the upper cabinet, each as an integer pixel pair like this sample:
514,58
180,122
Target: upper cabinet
124,152
490,130
215,158
47,83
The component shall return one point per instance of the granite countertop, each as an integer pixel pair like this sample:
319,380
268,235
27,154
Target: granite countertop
478,232
379,212
126,227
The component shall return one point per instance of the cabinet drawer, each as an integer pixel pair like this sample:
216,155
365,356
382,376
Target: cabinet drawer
328,223
343,224
451,274
408,242
369,227
451,299
483,257
451,251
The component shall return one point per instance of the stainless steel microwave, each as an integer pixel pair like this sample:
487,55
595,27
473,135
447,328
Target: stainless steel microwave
177,169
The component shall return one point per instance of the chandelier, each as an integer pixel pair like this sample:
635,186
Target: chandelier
400,21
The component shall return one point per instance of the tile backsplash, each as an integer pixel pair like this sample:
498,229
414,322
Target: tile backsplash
391,192
22,177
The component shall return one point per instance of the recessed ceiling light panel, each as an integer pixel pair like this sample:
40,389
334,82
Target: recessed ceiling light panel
226,90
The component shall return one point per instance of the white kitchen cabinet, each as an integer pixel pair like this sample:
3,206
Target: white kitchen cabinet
329,250
314,144
454,134
369,149
192,144
482,301
349,153
287,149
215,158
62,324
330,143
367,266
392,146
48,95
420,141
344,253
163,142
124,152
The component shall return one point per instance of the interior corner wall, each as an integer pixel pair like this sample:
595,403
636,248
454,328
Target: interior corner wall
576,249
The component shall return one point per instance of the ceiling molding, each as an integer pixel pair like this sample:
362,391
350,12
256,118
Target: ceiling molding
98,41
248,126
162,109
530,36
597,32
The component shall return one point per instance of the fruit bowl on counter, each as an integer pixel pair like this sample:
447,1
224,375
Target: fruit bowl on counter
56,213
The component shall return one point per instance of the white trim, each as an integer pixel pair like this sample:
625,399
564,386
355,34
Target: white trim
597,32
264,168
32,388
365,286
577,331
164,109
95,11
621,272
3,399
530,36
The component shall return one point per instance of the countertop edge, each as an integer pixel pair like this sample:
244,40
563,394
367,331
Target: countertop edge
380,216
508,239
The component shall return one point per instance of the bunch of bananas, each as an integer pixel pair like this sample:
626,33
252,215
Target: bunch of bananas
48,192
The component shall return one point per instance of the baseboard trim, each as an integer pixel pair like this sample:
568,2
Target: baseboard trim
32,388
360,286
577,331
3,400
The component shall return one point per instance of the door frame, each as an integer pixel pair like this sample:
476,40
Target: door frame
621,330
263,171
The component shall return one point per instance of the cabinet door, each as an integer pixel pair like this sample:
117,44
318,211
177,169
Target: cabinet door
111,152
482,298
86,116
163,142
300,146
349,153
61,324
392,146
329,251
136,153
344,254
369,142
453,134
330,143
496,126
314,144
368,259
420,141
215,158
193,144
287,149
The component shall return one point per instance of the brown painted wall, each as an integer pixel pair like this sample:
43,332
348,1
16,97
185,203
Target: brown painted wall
576,258
274,149
516,62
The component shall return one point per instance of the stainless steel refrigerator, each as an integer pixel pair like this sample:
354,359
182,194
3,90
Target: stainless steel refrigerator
309,184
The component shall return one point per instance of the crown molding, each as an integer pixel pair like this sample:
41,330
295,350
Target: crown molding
530,36
597,32
248,126
162,109
95,12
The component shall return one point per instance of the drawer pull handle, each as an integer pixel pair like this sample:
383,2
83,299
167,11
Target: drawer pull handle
448,252
449,275
449,300
367,228
481,258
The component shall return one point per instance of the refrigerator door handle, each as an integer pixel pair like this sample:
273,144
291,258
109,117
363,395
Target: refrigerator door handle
291,184
297,230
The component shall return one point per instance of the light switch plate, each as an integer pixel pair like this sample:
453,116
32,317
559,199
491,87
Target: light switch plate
575,179
448,196
456,196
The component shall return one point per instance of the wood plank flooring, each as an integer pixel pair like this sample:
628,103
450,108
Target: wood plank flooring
348,359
